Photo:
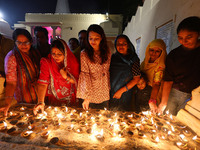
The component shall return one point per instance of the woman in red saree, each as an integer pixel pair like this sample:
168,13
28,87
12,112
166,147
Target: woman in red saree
58,77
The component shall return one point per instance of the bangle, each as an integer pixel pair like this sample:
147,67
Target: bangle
126,87
152,100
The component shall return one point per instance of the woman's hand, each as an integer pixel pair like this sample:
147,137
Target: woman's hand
85,104
119,93
161,108
5,110
63,73
153,107
38,107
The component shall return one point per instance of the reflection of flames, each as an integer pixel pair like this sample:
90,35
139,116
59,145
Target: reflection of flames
28,132
195,137
5,124
157,139
179,143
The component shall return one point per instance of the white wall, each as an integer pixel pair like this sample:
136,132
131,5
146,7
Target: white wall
76,21
155,13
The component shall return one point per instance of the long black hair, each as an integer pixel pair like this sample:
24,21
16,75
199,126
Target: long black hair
103,44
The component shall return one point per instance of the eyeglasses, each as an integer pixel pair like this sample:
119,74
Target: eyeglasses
22,43
56,55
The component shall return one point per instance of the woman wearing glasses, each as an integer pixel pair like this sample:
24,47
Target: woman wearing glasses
22,70
154,65
124,74
58,77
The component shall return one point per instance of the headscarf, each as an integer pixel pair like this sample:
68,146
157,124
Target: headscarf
158,64
131,57
72,68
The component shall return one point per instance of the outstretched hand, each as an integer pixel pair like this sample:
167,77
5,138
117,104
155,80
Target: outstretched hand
4,110
161,108
85,104
37,108
118,94
153,107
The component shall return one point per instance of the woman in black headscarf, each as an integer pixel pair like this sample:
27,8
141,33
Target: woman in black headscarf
124,74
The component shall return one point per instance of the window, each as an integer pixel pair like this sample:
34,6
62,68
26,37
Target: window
138,40
164,32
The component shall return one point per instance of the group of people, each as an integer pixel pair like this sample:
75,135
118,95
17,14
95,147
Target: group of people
99,79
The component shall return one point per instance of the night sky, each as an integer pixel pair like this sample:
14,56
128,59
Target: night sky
14,10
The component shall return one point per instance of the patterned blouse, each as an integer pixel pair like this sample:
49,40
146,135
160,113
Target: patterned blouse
94,79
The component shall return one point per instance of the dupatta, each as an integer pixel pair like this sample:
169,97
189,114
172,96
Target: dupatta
27,75
62,90
158,65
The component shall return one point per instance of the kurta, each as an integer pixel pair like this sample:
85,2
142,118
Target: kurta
94,79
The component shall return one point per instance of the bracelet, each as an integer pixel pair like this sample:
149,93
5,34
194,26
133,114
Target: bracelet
152,100
126,87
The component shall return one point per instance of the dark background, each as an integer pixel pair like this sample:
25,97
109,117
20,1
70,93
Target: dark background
14,10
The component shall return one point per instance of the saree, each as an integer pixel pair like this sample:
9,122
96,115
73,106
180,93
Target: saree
59,90
27,71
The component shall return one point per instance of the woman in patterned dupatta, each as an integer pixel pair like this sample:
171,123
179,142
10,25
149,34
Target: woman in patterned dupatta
22,70
58,77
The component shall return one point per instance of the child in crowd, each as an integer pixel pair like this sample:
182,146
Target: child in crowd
142,93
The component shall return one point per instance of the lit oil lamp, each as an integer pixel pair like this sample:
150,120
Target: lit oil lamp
155,138
171,136
187,132
45,134
3,126
31,127
182,145
78,129
99,135
196,139
183,138
80,115
180,125
27,134
13,114
57,141
22,108
164,129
